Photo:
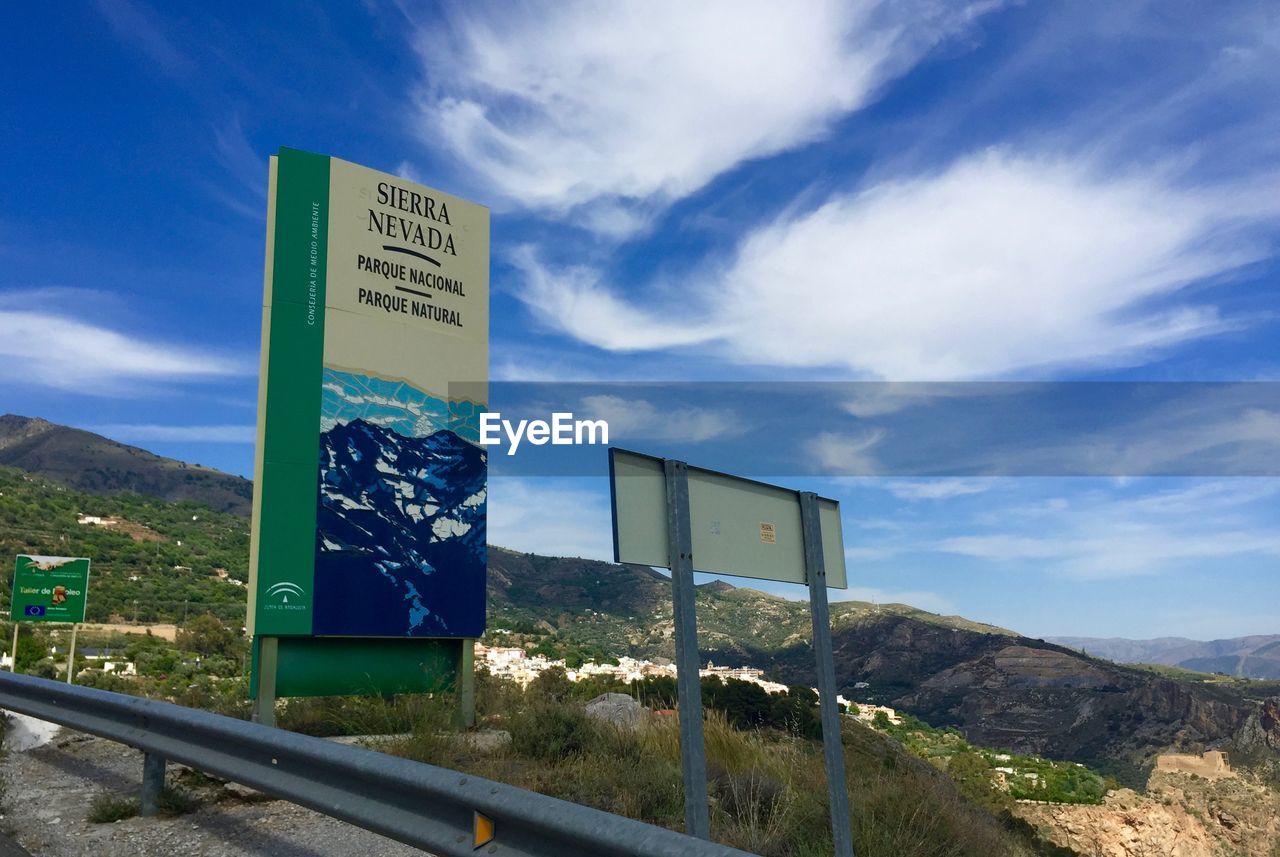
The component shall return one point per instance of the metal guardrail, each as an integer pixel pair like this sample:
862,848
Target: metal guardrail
422,805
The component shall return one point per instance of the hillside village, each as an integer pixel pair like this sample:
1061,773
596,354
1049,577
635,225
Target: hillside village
517,665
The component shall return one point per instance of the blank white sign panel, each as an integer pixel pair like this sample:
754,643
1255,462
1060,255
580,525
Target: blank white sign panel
740,527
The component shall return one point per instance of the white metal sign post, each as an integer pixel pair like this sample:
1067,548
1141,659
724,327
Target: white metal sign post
693,757
668,514
832,746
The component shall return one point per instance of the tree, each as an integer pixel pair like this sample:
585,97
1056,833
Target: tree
972,775
206,635
33,646
552,684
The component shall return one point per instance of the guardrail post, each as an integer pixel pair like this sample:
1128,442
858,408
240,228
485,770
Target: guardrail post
433,809
152,782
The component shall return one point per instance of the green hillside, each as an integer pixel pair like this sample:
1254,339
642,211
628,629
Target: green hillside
162,561
159,562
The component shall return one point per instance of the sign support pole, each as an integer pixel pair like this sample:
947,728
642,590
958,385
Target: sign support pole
693,759
465,715
13,660
264,704
71,653
832,748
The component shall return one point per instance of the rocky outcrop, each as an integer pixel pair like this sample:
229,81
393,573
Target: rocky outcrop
1050,701
1212,765
1126,825
1181,815
617,709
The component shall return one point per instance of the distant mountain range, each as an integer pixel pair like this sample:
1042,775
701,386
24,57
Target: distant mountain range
1000,688
97,465
1257,656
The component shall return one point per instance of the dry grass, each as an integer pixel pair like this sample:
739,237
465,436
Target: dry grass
767,790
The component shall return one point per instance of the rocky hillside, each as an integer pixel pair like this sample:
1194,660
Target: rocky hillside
97,465
1180,815
999,688
1256,656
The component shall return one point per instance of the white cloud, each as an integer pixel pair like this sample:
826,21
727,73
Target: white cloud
845,454
931,601
137,25
999,266
937,489
1218,429
48,349
637,418
140,432
624,107
1119,550
572,300
1101,536
552,516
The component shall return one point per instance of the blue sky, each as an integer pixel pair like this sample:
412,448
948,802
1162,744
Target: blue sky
871,191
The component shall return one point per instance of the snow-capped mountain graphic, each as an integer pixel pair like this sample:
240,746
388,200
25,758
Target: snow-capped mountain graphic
400,535
397,405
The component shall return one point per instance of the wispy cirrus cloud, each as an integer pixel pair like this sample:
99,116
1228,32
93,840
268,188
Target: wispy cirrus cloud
616,112
54,350
633,418
846,454
1101,535
999,265
937,489
135,24
551,517
922,599
144,432
572,301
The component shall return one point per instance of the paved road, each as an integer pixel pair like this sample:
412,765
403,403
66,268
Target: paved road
51,787
9,848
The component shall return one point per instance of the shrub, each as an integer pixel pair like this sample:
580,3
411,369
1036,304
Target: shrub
551,732
175,801
107,807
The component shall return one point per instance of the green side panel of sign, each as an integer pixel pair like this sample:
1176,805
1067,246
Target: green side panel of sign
290,471
49,589
369,666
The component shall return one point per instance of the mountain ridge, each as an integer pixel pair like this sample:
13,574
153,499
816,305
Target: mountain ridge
998,687
95,464
1252,656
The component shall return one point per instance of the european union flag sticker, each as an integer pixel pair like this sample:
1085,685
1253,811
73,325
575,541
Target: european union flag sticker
35,610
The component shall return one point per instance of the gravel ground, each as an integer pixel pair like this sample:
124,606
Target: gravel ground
49,788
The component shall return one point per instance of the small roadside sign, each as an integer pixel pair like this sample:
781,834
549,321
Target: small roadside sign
49,589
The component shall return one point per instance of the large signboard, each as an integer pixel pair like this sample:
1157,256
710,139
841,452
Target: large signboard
740,527
370,483
49,589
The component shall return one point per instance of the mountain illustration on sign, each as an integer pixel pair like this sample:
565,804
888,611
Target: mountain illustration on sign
400,535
